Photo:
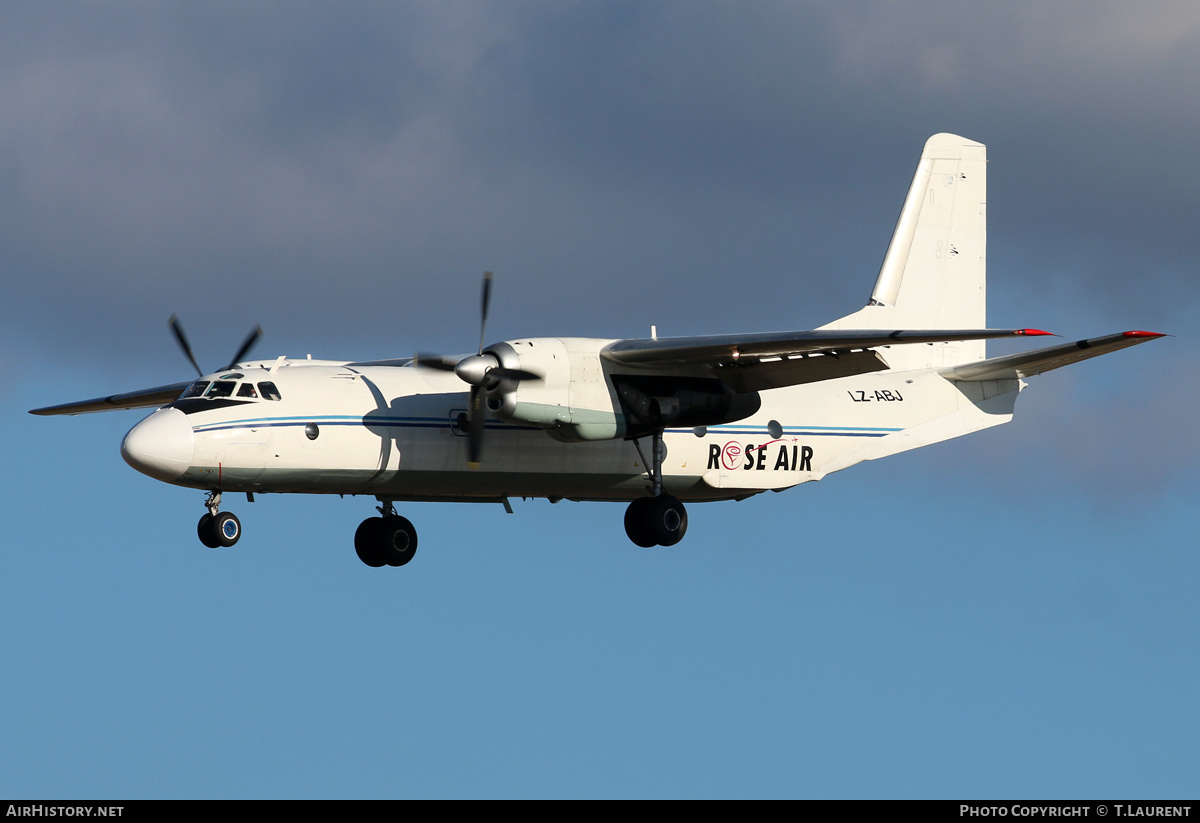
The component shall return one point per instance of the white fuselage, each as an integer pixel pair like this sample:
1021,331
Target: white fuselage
395,432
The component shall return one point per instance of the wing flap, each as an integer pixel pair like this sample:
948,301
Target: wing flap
1034,362
752,374
157,396
753,362
674,351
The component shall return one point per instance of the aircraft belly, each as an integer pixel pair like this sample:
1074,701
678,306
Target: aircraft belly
414,461
431,463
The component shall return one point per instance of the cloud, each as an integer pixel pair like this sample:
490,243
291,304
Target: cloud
652,162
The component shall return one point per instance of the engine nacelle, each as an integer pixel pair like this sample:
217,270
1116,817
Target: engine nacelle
573,400
580,398
660,402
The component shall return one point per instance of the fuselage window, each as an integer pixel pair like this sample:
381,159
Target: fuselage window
221,388
195,390
268,391
247,390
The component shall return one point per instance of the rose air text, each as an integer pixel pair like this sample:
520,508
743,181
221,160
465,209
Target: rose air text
655,422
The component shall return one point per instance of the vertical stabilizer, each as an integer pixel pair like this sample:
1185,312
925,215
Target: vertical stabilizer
934,273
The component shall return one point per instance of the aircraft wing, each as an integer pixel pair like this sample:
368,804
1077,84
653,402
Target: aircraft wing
392,361
157,396
1034,362
753,362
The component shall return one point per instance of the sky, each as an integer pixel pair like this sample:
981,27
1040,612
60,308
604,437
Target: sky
1008,615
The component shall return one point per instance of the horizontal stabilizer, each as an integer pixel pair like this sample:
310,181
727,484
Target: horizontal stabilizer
157,396
1043,360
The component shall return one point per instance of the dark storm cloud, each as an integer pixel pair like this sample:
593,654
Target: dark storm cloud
626,160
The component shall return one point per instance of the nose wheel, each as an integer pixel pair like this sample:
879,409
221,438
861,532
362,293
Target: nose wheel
218,529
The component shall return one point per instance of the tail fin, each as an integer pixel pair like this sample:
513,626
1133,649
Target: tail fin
935,271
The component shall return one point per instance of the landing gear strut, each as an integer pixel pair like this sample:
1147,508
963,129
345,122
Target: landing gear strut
389,540
660,520
218,529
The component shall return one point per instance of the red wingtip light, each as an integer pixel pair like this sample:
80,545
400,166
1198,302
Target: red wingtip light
1142,334
1036,333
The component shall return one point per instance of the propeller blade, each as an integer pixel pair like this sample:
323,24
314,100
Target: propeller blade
516,375
481,372
253,337
177,329
483,314
476,424
424,360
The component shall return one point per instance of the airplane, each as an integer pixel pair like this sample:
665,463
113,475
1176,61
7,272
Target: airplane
655,421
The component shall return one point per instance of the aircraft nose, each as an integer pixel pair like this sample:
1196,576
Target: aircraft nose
161,446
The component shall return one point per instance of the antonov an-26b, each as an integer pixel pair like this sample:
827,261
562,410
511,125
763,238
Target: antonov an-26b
655,421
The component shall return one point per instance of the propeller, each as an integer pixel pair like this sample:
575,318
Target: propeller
184,344
482,371
251,339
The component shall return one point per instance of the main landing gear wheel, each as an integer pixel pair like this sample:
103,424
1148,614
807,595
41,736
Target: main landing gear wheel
221,530
660,519
656,521
637,523
385,541
205,532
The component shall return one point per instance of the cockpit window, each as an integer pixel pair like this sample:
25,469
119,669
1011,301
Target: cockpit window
268,391
221,388
247,390
195,390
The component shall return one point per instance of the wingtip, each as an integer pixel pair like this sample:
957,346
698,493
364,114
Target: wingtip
1036,333
1142,334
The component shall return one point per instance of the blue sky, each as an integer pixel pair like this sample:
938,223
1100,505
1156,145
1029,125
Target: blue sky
1011,614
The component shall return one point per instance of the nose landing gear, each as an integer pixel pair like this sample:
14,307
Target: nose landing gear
218,529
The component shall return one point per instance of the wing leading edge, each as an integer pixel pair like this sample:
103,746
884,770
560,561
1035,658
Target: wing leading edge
145,398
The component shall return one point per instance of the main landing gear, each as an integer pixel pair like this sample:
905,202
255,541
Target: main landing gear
659,520
218,529
389,540
656,521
